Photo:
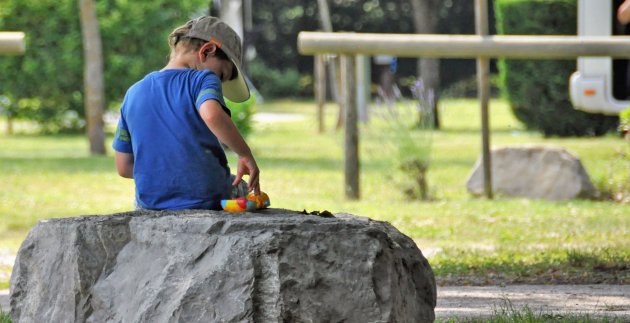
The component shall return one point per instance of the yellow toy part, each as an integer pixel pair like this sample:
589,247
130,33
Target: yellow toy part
238,205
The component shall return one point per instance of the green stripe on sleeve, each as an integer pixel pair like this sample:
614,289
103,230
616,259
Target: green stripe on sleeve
206,91
123,135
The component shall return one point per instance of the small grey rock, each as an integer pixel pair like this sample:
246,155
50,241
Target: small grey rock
534,172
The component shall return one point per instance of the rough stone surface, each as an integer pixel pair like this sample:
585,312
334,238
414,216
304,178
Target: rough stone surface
534,172
207,266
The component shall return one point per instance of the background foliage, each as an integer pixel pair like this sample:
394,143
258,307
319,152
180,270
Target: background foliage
538,89
277,24
46,83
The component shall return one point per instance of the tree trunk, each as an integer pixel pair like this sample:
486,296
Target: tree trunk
9,124
332,63
231,12
425,18
93,76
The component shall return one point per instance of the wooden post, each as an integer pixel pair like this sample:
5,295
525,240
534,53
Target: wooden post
9,124
362,66
351,128
320,90
93,79
12,43
483,93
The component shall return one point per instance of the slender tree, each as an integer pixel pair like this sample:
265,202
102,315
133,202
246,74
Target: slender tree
332,63
93,79
425,18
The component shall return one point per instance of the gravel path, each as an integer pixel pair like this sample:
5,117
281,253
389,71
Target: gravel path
612,301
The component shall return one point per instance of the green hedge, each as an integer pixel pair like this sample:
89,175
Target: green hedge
538,90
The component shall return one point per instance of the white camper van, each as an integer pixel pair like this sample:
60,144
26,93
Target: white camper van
600,85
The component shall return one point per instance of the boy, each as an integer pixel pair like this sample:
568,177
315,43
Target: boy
173,120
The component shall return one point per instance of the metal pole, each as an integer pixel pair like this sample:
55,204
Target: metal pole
483,93
12,43
352,131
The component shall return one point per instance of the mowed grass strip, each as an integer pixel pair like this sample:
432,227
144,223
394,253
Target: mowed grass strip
468,240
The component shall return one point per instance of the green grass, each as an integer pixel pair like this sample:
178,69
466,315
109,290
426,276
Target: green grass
468,240
5,317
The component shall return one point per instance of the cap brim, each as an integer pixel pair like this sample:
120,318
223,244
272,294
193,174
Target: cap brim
236,90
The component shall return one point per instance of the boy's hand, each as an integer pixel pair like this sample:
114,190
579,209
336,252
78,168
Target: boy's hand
246,165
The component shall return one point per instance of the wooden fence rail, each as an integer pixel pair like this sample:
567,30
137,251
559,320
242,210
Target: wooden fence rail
480,46
12,43
463,46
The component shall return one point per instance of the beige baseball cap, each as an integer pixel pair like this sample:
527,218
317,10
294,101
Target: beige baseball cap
213,29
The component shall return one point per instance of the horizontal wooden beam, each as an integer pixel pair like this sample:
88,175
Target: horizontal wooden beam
463,46
12,43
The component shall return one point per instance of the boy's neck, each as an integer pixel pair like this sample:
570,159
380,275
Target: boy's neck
172,66
180,61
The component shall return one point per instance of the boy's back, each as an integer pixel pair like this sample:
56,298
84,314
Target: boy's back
179,163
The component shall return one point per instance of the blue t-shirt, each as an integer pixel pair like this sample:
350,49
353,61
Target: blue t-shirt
178,162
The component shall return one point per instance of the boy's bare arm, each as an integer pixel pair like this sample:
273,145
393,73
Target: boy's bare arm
222,126
124,164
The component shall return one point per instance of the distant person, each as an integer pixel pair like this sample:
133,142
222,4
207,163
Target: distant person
623,12
173,122
621,80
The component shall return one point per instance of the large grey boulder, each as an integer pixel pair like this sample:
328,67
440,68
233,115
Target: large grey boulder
534,172
210,266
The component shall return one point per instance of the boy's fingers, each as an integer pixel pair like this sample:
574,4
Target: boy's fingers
254,184
237,178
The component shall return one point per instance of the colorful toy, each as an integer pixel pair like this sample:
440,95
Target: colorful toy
250,203
262,200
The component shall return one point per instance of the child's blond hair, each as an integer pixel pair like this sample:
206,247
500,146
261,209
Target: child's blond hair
178,37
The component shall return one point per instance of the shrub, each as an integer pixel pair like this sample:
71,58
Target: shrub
624,123
538,89
242,114
275,82
405,130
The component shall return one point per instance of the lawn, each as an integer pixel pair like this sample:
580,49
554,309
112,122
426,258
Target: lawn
468,240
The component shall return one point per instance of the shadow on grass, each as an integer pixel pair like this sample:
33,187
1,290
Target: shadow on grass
56,164
319,164
597,266
477,131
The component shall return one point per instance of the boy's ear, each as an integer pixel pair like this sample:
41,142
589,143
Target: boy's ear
206,50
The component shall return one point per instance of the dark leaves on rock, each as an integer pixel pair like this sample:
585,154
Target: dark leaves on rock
323,214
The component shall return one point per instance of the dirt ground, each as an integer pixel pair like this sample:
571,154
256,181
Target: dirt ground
612,301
